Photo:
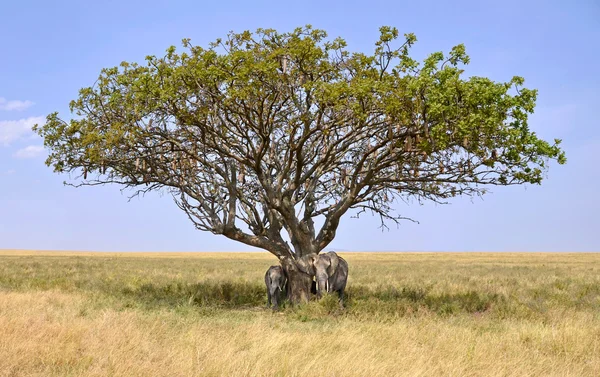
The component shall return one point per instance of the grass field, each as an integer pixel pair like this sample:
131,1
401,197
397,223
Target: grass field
407,314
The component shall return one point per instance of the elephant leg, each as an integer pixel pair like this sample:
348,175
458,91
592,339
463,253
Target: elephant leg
341,297
341,294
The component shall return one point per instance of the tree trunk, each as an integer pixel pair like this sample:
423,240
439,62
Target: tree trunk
298,284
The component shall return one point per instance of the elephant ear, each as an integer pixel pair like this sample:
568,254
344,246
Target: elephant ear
334,263
306,264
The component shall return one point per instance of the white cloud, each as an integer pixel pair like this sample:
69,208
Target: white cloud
12,130
16,105
31,151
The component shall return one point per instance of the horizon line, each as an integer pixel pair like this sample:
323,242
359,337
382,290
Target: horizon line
2,250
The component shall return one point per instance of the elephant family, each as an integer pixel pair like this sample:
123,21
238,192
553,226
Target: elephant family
330,271
275,281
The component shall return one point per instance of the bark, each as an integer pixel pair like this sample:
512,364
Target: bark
298,283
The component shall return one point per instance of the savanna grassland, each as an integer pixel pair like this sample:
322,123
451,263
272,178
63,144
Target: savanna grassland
407,314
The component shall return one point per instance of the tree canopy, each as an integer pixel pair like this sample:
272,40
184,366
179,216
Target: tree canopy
264,131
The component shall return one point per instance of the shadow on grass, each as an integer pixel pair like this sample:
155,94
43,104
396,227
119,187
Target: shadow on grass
221,294
407,300
360,300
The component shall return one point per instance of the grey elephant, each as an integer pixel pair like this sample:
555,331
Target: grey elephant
275,281
330,271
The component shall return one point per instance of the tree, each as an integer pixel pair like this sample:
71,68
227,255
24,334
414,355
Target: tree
264,132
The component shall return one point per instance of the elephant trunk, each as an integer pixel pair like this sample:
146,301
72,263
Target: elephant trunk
322,284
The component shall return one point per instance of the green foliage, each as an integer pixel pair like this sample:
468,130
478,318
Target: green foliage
247,67
259,122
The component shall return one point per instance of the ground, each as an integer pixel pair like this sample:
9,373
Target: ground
407,314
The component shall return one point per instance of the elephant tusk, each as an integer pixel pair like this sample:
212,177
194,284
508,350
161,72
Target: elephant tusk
327,285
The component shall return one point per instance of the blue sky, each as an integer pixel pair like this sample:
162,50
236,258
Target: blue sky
51,49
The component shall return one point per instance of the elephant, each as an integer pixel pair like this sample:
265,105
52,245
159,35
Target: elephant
330,270
276,282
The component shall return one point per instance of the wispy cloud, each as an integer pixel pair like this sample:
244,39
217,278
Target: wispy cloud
31,151
12,130
14,105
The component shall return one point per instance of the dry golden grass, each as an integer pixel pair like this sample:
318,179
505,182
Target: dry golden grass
417,314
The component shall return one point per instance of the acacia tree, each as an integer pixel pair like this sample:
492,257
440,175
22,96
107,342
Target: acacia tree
266,131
